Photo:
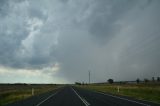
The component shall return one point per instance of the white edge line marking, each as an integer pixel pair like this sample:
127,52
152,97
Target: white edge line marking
149,101
123,98
83,100
46,99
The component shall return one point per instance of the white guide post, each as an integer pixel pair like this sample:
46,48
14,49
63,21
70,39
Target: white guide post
117,88
32,91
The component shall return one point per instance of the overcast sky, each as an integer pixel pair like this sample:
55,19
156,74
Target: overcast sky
58,41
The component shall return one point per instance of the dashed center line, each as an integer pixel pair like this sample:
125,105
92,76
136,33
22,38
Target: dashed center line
82,99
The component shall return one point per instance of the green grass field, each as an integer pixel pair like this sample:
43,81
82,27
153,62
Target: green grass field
14,92
149,92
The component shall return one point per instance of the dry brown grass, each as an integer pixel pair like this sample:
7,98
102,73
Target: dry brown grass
143,91
14,92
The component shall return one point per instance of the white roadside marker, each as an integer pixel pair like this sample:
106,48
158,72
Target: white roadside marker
117,88
32,91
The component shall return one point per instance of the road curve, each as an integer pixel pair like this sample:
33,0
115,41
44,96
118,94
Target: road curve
73,96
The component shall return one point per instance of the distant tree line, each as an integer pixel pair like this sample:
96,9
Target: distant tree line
79,83
147,80
111,81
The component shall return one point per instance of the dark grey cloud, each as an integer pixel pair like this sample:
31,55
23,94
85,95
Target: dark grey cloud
11,34
113,39
3,8
104,17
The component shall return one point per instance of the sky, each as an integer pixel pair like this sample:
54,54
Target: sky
59,41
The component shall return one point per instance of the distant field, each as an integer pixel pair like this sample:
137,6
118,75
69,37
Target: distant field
149,92
13,92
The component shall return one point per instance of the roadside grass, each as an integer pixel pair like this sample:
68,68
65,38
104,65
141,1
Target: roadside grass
11,93
149,92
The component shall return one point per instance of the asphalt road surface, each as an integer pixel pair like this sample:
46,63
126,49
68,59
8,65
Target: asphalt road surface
72,96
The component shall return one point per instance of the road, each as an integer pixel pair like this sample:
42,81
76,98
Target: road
73,96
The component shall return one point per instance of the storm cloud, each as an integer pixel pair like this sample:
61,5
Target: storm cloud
62,40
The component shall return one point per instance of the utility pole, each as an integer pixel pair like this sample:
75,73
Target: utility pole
89,75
